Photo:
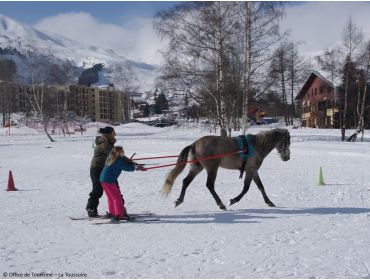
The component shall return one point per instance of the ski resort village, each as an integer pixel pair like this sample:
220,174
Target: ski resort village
184,140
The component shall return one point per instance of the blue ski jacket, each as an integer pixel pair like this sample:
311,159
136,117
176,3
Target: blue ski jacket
111,173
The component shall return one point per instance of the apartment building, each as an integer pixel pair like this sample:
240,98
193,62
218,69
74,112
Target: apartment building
100,104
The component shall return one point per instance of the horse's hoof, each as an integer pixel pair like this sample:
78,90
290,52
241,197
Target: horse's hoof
222,206
232,201
177,203
271,204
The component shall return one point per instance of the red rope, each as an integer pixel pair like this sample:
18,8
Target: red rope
154,157
196,160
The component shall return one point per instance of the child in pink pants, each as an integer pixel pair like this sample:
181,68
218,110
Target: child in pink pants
116,203
116,162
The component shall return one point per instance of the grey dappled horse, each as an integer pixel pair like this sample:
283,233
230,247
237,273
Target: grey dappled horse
263,142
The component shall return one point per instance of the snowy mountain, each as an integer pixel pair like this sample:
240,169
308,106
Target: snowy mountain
23,38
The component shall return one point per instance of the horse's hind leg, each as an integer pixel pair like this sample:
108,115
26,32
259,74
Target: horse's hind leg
195,169
257,180
211,187
247,183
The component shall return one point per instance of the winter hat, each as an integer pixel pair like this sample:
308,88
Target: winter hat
106,130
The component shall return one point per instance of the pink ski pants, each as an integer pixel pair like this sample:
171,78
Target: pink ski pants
116,203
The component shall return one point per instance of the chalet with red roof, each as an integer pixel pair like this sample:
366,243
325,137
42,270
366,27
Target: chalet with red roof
317,102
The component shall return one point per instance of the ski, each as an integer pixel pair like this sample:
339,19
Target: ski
138,219
104,217
86,218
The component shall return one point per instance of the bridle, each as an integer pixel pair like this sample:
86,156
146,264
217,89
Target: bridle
286,139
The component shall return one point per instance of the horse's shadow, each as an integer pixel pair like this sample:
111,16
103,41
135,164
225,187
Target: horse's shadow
224,217
247,216
310,211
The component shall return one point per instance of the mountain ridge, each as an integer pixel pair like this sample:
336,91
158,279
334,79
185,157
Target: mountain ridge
23,38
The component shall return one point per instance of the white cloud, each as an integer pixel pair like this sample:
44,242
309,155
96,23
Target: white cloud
320,24
135,40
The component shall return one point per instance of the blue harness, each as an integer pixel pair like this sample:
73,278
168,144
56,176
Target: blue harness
244,144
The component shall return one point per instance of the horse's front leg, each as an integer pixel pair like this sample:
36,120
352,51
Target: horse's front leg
247,183
257,180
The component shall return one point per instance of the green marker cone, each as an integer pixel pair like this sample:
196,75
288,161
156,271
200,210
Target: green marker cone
320,179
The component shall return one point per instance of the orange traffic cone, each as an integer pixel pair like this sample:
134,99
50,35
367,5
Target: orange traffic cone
11,186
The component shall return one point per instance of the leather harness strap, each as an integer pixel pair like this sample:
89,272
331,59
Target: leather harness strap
244,145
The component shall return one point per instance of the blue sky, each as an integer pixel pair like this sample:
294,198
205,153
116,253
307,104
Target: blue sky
117,12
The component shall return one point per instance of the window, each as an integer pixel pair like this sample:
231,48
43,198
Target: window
315,91
314,108
322,106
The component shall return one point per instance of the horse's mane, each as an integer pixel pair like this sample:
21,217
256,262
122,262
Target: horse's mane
264,139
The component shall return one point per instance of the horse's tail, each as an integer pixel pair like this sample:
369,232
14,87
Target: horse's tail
172,175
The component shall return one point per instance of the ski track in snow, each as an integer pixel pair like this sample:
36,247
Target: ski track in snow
314,232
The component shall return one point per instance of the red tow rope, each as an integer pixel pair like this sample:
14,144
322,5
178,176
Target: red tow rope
194,160
154,157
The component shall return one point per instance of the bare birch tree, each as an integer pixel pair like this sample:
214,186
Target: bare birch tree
41,71
361,99
260,26
7,72
298,70
330,62
124,79
199,34
279,71
61,76
352,38
204,40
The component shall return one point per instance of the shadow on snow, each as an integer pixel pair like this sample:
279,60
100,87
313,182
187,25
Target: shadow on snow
255,215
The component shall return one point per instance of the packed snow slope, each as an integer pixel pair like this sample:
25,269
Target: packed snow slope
314,232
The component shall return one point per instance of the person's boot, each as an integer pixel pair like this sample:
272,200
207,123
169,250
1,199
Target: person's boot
108,215
93,213
117,219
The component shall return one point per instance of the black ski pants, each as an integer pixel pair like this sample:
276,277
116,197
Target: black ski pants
97,189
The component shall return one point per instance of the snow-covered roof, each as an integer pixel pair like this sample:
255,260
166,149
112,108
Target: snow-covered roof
139,100
101,86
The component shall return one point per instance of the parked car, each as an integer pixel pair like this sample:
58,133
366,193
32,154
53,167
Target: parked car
161,124
261,122
268,120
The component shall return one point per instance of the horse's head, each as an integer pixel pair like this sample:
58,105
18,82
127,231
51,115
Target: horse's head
283,145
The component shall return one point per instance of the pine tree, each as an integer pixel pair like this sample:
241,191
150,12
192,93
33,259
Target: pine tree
161,103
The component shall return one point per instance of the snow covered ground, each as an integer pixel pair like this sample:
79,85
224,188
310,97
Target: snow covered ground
314,232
